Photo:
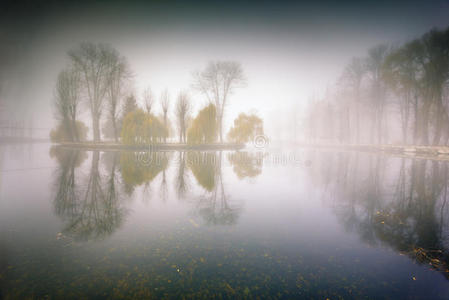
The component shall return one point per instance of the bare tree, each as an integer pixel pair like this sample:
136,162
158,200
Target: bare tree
353,74
119,73
148,99
165,104
217,81
183,109
374,63
401,74
92,61
67,99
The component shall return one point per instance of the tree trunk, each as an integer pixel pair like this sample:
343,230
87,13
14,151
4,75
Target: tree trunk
348,125
220,127
379,124
440,111
165,125
424,126
415,128
357,125
114,126
446,129
76,136
68,129
180,135
96,127
373,125
357,114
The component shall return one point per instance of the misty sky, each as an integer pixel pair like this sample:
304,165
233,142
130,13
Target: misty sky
288,51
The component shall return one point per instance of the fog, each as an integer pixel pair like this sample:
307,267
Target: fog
289,52
171,149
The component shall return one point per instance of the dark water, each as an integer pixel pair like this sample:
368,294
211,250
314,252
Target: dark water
268,224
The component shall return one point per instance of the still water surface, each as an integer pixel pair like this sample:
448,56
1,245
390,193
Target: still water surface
269,224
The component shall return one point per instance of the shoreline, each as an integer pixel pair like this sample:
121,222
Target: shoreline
406,151
410,151
157,147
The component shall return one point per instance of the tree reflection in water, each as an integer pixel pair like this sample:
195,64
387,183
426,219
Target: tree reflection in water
397,202
140,168
91,207
67,190
214,206
246,164
163,189
182,176
92,204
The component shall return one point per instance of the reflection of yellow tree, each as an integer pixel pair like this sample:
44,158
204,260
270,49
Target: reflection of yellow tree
68,157
214,206
138,168
246,164
203,167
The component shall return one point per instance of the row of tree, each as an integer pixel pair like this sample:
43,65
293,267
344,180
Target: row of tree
99,77
402,87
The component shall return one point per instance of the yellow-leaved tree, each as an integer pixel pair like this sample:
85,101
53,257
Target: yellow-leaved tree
140,128
62,133
204,126
245,128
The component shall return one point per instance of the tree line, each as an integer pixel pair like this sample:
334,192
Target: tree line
391,88
98,78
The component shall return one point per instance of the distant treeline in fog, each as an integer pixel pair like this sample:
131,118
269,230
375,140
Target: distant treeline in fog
392,95
99,79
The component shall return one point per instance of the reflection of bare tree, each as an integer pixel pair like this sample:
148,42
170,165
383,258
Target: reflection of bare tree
182,177
67,191
162,158
405,208
164,186
146,192
246,164
204,167
214,207
93,210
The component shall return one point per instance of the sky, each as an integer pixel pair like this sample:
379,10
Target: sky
289,51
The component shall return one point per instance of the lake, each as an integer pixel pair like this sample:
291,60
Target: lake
272,223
